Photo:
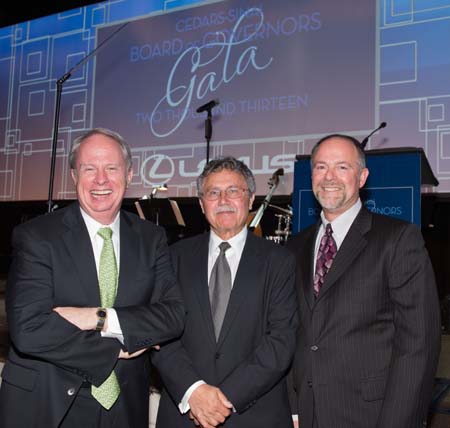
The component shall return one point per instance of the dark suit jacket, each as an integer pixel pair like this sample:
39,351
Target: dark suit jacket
49,357
367,347
256,344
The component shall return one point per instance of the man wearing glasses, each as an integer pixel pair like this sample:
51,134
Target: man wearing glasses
229,367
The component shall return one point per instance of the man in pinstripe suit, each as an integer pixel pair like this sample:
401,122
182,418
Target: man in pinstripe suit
369,338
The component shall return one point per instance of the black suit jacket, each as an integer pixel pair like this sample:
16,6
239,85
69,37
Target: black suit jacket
368,346
250,360
49,357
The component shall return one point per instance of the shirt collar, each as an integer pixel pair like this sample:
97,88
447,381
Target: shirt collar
236,241
93,225
342,224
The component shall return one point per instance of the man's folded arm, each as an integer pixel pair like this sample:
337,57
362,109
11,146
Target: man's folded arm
37,330
163,318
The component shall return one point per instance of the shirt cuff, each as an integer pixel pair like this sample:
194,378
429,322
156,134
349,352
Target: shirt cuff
113,331
184,405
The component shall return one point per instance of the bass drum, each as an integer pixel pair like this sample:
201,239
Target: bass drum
258,230
276,239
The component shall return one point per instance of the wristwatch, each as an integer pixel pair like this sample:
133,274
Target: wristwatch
101,314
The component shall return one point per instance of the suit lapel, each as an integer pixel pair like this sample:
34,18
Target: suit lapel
244,283
79,246
129,256
200,280
308,273
351,247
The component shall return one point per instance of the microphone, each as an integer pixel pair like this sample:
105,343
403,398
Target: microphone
208,106
364,142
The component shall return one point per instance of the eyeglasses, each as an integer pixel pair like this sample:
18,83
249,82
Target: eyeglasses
230,193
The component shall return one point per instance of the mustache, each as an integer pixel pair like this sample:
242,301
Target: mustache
325,183
224,208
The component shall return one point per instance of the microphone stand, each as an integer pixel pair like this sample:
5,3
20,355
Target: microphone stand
59,86
208,132
364,142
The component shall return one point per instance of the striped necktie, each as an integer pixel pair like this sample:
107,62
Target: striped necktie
325,256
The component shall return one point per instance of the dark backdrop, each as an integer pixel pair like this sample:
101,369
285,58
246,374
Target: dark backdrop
12,12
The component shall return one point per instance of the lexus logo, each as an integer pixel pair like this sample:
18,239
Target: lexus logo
157,170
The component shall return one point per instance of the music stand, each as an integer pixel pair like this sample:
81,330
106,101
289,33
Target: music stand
161,211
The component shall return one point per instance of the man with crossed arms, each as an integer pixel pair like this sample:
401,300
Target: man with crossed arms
79,274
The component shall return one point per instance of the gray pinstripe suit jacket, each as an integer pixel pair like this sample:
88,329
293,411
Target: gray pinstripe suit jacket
368,346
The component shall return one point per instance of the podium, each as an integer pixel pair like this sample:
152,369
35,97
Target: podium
393,187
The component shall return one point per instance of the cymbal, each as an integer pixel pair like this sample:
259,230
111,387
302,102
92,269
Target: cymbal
281,210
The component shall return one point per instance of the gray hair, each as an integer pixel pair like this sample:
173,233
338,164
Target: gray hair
230,164
354,141
107,133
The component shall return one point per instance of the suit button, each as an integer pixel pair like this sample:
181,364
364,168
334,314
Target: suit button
217,355
309,384
314,348
70,391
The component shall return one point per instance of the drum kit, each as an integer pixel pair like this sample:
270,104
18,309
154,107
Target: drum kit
284,216
283,230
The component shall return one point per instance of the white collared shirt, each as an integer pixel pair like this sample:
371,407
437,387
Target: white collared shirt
233,254
93,227
340,226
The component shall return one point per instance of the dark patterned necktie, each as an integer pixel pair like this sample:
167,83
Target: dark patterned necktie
327,252
220,288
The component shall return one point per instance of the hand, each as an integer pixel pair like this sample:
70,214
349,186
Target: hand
83,318
209,406
192,418
123,355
